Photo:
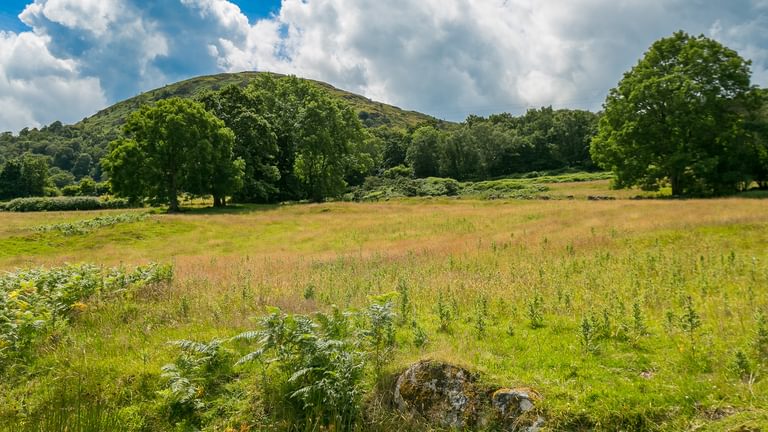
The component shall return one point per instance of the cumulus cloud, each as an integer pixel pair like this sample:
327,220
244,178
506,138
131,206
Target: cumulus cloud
456,57
448,58
35,85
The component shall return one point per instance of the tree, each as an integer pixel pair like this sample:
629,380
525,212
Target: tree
423,152
677,118
327,131
317,135
25,176
255,140
395,146
10,180
82,166
459,155
171,147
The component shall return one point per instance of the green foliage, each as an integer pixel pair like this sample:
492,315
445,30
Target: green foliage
35,302
245,112
481,316
24,177
325,131
443,313
588,335
172,147
741,365
63,204
535,311
760,342
690,321
398,171
420,338
89,225
678,118
199,370
380,332
315,366
638,320
394,185
405,301
422,153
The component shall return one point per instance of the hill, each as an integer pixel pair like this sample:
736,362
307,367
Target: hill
74,151
371,113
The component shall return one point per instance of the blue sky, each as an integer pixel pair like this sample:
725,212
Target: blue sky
10,9
66,59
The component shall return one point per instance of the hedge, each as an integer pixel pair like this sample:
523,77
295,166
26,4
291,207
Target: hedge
62,204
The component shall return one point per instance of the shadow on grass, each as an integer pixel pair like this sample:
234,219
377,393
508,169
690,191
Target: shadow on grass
754,194
229,209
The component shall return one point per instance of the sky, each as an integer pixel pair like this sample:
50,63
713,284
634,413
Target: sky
67,59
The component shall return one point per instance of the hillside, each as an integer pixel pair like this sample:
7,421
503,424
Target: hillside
371,113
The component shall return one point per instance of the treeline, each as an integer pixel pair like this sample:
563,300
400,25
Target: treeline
292,140
497,146
71,153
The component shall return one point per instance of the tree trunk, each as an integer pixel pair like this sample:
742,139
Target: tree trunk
677,188
173,196
219,201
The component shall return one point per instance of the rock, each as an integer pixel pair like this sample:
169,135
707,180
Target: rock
442,393
450,396
513,402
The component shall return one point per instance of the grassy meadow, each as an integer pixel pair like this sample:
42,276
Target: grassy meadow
623,314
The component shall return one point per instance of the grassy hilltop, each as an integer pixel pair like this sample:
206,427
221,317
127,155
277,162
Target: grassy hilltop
372,113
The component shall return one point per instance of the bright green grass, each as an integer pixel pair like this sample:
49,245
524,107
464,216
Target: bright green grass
584,259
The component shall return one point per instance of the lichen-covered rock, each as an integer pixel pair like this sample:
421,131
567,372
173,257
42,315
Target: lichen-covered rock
450,396
513,402
442,393
513,408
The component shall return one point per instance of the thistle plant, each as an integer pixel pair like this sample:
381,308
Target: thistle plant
443,313
535,315
588,335
760,343
690,321
481,315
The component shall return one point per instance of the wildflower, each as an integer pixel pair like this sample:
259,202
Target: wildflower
79,306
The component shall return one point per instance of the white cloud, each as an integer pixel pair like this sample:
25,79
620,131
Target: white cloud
92,15
444,57
455,57
36,87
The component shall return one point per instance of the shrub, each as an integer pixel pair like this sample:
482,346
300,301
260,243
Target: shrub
315,368
435,186
89,225
36,301
398,171
200,369
70,190
62,204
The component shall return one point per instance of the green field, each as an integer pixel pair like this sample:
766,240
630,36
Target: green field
501,287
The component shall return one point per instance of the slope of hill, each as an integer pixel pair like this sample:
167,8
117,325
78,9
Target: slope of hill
371,113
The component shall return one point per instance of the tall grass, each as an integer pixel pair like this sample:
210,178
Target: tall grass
625,315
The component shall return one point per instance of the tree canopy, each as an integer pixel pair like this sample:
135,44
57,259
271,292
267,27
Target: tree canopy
678,118
171,147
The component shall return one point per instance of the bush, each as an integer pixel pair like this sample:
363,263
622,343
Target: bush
89,225
398,171
62,204
37,301
70,190
434,186
314,366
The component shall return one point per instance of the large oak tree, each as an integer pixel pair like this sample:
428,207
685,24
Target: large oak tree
678,118
171,147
